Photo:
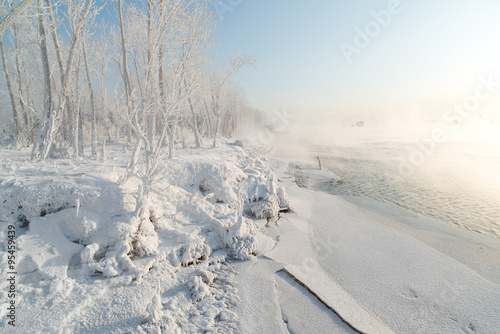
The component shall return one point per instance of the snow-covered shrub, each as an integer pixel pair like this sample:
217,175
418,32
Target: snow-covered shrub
206,276
48,195
284,200
301,179
189,252
243,246
154,310
240,240
116,260
78,227
267,208
145,240
203,205
228,316
199,289
88,253
227,190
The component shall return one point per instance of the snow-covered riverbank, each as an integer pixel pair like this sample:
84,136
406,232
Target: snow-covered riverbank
410,279
88,261
211,254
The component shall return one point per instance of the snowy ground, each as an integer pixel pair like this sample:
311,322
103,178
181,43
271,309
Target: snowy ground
210,253
410,279
87,262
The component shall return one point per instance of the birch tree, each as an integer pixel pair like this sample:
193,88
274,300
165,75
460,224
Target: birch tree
48,129
11,93
176,33
42,139
219,80
20,32
12,16
124,66
92,99
26,126
58,51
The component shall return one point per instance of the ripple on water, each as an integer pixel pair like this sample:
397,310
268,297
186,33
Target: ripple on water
458,184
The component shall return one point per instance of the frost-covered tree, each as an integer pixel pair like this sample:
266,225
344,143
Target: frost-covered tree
166,58
4,23
62,62
49,125
218,81
10,88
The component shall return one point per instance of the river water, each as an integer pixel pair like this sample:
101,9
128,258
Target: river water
455,183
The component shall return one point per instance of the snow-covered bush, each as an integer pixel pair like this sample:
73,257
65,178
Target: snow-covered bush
206,203
229,189
267,208
198,288
145,240
284,200
154,312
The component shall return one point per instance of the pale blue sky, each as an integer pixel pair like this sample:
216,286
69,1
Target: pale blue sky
427,58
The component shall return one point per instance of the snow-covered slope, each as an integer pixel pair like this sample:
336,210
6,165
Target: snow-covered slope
404,279
210,252
87,261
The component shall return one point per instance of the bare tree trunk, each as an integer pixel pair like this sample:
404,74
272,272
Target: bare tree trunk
149,78
80,132
197,140
215,101
54,116
161,86
92,101
29,121
11,17
126,75
216,133
77,121
41,138
160,68
21,89
209,121
103,101
55,39
11,93
171,141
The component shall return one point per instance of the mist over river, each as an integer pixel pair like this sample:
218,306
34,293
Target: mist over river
456,183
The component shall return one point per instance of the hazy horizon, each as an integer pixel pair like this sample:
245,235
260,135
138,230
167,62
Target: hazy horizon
421,58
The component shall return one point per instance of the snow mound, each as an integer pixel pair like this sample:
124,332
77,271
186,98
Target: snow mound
78,230
48,194
226,190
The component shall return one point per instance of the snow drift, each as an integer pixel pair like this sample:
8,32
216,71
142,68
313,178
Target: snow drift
76,226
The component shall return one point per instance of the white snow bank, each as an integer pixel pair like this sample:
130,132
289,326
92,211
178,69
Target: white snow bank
47,250
76,228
